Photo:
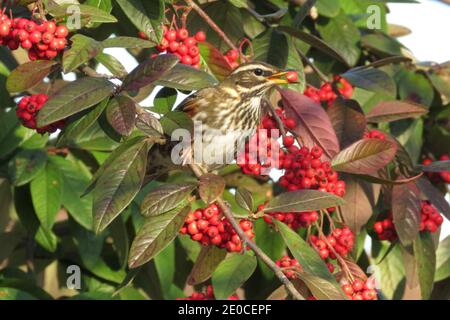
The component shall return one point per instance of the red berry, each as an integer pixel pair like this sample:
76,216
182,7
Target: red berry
190,42
183,49
35,37
186,60
47,37
5,29
171,35
182,34
292,76
26,44
61,32
194,51
200,36
50,54
290,123
288,141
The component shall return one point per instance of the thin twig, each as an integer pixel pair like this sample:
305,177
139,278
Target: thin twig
266,259
211,23
323,77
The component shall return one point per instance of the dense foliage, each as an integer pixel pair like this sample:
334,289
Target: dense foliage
363,156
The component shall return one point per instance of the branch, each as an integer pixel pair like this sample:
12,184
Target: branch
211,23
323,77
229,215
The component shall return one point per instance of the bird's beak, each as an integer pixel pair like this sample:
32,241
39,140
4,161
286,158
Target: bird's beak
277,78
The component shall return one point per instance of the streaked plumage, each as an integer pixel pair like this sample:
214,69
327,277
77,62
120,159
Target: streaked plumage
232,105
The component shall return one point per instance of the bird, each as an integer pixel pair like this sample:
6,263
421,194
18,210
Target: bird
226,114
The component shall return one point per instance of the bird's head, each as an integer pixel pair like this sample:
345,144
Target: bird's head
255,78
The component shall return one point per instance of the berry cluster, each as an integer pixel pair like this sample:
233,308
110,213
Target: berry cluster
252,164
374,134
326,93
360,290
290,267
208,295
430,221
436,177
258,153
210,227
42,40
341,239
27,111
305,170
293,220
181,44
385,229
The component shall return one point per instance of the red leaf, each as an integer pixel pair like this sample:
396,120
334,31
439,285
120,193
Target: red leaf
314,125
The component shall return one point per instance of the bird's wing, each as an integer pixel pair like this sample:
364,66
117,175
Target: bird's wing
196,101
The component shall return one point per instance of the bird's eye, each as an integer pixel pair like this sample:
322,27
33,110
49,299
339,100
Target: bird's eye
258,72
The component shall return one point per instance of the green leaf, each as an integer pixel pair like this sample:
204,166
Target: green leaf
364,156
425,255
26,165
371,79
149,71
174,120
328,8
121,114
341,34
75,179
156,233
87,13
126,42
395,110
214,60
244,198
231,274
270,242
302,201
443,260
414,87
76,128
73,98
29,74
226,16
314,41
119,183
315,273
149,125
165,198
392,273
211,186
112,64
82,50
46,192
406,212
207,261
382,44
183,77
146,16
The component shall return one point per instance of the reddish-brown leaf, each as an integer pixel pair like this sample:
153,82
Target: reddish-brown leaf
348,121
314,125
395,110
406,211
365,156
360,199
